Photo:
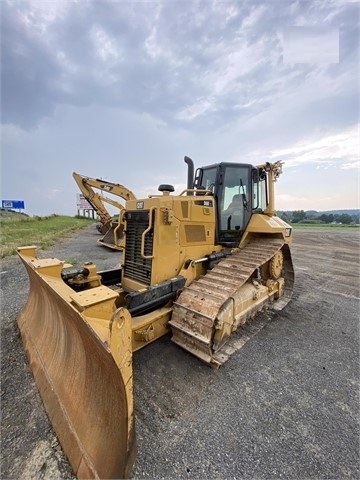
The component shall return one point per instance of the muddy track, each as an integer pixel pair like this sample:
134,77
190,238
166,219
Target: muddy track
285,405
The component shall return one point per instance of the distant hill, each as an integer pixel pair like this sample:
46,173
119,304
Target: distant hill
353,211
316,213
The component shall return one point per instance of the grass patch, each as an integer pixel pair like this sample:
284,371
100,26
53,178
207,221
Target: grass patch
19,231
71,260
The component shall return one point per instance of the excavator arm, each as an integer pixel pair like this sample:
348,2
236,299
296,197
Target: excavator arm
97,201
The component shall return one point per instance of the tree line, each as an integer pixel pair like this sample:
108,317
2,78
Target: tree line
301,216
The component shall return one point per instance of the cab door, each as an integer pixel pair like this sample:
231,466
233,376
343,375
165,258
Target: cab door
234,201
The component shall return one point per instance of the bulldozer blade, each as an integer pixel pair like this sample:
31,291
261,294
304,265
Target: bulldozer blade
85,382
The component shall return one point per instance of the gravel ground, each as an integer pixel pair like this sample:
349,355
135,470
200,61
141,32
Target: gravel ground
285,406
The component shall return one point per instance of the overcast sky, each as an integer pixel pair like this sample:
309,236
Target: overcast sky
123,90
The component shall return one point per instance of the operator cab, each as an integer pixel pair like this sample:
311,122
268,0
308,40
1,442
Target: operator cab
237,191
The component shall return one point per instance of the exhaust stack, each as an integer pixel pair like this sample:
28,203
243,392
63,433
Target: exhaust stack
190,175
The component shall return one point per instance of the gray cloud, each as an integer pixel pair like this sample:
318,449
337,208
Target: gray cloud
27,73
178,61
124,90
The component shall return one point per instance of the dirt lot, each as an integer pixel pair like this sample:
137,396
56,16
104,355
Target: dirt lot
285,406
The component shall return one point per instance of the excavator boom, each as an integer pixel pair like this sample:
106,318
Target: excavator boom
112,230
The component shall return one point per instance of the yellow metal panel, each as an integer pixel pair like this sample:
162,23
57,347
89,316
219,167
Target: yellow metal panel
93,296
263,224
169,235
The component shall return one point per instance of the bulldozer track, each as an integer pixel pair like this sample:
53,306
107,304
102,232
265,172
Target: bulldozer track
196,310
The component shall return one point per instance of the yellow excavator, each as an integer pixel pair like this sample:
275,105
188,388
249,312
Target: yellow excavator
112,230
201,264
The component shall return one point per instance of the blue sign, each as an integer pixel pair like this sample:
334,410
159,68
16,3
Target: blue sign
20,204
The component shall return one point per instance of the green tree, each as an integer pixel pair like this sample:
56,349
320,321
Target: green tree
356,218
285,217
345,218
327,217
324,218
298,215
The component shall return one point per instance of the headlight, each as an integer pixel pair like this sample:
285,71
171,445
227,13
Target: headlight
287,232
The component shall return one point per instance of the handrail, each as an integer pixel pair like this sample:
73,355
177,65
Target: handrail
196,190
142,249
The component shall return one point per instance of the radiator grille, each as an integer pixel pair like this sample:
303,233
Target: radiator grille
135,267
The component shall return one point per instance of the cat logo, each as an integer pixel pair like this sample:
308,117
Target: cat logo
139,205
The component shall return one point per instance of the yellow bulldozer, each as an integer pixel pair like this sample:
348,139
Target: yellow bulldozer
199,264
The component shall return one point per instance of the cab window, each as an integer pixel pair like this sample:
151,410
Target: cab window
208,178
